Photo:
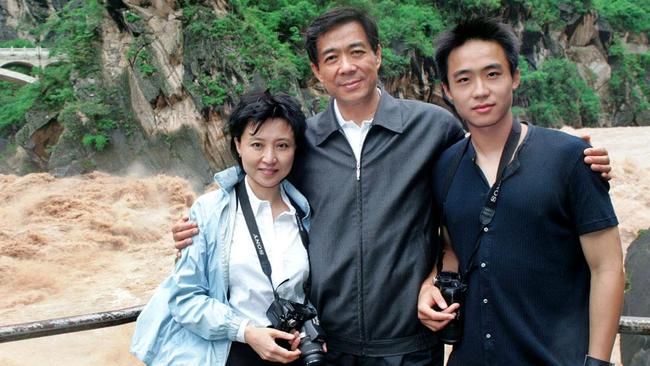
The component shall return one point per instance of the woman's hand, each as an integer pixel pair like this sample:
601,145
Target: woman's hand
262,340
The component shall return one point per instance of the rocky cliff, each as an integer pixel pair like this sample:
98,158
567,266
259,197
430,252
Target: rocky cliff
151,80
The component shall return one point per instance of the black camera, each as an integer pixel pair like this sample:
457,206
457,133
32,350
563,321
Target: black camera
453,291
286,315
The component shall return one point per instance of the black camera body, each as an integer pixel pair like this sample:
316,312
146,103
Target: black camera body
287,315
453,290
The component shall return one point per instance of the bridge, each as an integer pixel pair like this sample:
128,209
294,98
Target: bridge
31,57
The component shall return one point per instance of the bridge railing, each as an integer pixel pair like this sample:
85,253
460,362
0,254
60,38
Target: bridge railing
24,51
42,328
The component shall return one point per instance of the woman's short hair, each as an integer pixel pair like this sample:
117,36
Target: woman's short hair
258,107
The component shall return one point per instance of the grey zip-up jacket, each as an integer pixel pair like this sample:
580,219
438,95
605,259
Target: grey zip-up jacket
372,243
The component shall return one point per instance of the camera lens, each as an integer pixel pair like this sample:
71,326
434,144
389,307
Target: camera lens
312,353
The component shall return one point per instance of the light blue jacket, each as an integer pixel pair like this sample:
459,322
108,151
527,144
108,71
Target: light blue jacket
188,320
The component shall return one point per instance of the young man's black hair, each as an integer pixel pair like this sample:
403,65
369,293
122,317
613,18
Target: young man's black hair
258,107
335,17
476,28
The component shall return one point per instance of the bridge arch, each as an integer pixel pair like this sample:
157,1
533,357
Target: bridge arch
6,64
16,77
30,57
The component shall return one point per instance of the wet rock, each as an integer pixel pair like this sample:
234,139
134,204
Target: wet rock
635,349
40,133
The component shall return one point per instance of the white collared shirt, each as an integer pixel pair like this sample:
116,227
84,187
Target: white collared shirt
354,133
249,288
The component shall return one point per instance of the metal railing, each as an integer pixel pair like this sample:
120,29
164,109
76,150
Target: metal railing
78,323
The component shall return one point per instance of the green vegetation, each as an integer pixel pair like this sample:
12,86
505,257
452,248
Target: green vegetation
555,95
258,39
542,12
407,31
642,232
259,44
630,78
17,43
139,56
264,39
132,17
547,12
74,32
626,15
15,101
95,134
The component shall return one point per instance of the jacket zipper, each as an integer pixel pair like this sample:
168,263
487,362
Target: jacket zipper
358,171
362,323
362,326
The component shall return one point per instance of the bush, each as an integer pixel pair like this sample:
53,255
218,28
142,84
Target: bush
630,82
75,33
626,15
555,95
406,30
15,101
97,142
17,43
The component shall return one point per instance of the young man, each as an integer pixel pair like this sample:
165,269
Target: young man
544,271
366,172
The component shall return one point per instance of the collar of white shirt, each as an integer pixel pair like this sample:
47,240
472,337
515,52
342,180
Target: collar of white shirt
342,121
256,203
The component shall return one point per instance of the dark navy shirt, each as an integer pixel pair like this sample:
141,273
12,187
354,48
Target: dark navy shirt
528,296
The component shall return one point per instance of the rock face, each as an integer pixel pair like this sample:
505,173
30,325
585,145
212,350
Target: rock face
161,129
158,103
635,349
592,65
41,133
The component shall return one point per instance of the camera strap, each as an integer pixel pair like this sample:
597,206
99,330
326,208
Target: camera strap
253,230
489,208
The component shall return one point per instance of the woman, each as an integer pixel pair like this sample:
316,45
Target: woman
212,309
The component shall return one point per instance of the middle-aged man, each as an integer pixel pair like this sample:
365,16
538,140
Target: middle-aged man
366,172
531,226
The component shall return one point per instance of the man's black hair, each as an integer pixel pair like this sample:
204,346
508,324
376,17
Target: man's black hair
333,18
258,107
484,29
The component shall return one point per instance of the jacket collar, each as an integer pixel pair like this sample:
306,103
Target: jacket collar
228,178
388,116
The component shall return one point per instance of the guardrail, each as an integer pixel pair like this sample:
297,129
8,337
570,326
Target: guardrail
78,323
25,51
